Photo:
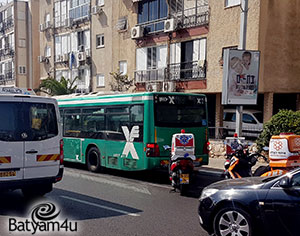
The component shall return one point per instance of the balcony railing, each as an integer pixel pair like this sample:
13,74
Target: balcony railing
8,76
187,71
192,17
155,26
153,75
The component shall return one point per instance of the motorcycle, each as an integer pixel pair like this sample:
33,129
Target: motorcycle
240,163
181,164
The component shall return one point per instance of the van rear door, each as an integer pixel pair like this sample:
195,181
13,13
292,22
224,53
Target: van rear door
11,143
42,144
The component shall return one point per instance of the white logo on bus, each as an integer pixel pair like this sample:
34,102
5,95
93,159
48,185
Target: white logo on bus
129,147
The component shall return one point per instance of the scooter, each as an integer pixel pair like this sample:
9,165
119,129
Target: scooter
240,163
181,164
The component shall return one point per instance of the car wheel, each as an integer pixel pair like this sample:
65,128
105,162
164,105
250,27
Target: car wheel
232,221
93,160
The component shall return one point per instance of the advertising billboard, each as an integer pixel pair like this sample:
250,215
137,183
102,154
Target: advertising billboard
240,77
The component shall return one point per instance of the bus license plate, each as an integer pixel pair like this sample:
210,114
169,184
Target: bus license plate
7,173
184,178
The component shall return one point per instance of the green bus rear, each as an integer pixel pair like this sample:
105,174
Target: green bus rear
130,130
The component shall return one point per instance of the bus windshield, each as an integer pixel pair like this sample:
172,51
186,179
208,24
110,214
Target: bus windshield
179,111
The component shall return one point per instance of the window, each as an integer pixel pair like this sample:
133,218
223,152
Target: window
187,111
79,9
248,119
296,180
151,58
230,3
150,10
100,41
22,43
22,70
123,67
47,17
100,80
100,3
38,120
47,51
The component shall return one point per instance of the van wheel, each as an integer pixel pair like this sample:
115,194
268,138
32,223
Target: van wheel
93,160
37,190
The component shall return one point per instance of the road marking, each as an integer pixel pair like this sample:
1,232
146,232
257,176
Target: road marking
109,182
100,206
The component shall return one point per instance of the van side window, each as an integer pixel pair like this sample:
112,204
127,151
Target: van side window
228,116
248,119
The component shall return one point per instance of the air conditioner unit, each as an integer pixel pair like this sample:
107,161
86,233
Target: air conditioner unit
97,10
81,56
41,59
137,32
169,25
169,86
42,27
153,87
65,57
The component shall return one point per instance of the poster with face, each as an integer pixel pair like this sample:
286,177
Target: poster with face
240,77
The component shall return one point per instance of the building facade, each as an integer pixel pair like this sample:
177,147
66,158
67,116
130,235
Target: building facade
18,34
171,45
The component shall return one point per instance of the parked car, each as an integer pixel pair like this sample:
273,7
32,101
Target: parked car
31,146
252,206
252,122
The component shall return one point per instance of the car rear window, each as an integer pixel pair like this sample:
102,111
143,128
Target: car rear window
22,121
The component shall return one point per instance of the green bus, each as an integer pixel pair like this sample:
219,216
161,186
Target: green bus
128,131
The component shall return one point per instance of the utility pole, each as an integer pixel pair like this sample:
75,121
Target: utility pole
242,46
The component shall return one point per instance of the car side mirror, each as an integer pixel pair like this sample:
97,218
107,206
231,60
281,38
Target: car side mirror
285,182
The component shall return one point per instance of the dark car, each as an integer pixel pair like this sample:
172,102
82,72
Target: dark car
252,206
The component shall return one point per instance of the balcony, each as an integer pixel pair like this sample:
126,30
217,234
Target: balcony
7,77
152,27
192,17
152,75
187,71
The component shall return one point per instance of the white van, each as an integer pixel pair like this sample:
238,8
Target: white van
252,122
31,154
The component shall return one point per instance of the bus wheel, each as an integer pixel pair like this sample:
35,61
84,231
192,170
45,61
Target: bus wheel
93,160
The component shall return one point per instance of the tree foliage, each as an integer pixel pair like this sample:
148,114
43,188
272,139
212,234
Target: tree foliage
120,83
54,87
283,121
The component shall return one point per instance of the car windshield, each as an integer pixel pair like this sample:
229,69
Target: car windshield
27,121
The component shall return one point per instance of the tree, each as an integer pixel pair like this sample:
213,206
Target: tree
120,82
53,87
284,121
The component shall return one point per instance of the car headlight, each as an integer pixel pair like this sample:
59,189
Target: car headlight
208,192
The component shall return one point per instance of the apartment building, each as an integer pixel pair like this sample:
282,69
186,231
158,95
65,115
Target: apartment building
17,37
180,45
65,41
112,47
87,39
